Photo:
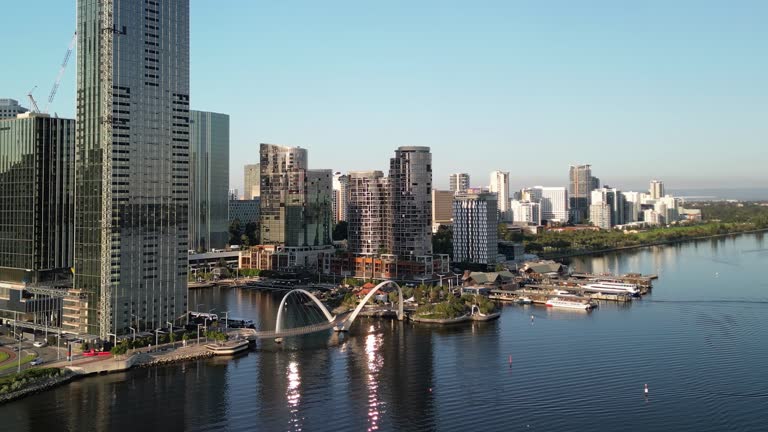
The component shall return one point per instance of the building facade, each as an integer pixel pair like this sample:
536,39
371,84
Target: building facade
614,199
500,185
554,204
318,218
656,189
37,198
442,208
132,186
526,212
410,181
246,211
475,228
283,194
368,213
251,181
9,108
209,180
459,182
340,196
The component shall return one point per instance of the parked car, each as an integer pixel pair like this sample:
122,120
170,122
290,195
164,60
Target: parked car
36,362
40,344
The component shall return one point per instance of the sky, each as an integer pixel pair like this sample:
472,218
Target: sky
674,90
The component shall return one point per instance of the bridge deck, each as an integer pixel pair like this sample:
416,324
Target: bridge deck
297,331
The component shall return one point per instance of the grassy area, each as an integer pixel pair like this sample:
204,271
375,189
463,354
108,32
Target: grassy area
30,376
24,360
3,356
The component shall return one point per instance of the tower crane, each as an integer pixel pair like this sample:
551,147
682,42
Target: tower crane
32,101
61,72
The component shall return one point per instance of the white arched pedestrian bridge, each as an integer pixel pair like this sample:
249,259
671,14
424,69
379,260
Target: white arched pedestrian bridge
340,323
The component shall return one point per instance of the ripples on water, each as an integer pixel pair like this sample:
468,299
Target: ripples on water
699,342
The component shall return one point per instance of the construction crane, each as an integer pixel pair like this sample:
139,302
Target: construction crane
32,102
61,72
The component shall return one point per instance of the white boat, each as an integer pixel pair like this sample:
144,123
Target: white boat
568,304
611,288
524,300
228,348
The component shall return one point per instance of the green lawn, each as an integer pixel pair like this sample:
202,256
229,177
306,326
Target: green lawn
3,356
24,360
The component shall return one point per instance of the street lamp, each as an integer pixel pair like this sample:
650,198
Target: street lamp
133,330
170,333
198,333
157,333
226,320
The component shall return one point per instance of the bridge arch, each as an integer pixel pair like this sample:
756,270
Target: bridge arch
309,294
348,322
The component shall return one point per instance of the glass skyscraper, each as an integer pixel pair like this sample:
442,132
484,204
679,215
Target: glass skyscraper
132,169
209,180
283,194
410,181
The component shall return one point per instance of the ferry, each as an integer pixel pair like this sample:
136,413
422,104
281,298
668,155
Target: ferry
228,348
568,304
612,288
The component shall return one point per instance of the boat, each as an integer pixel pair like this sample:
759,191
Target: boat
524,300
612,288
568,304
228,348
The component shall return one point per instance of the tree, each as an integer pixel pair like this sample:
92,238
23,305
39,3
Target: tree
235,232
253,233
341,231
442,240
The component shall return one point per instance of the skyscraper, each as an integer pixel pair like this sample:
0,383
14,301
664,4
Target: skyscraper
410,181
657,189
500,185
283,195
251,181
580,186
209,180
459,182
442,208
475,228
318,218
614,199
368,212
132,169
340,196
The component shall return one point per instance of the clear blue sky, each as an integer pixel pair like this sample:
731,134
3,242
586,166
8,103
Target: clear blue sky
640,89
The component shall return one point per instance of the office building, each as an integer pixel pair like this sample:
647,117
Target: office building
554,203
132,173
657,189
580,186
459,182
475,228
9,108
632,209
246,211
368,213
251,181
410,181
526,212
37,207
614,199
500,185
340,196
283,194
208,180
669,207
442,208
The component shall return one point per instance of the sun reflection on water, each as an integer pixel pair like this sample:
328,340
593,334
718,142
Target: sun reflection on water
374,362
293,395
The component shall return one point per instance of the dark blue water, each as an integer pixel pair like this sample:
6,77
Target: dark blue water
700,342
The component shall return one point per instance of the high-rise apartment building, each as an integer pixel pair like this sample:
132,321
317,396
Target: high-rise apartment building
442,208
580,186
600,215
410,180
368,213
9,108
251,181
459,182
132,169
318,218
500,185
657,189
37,207
615,201
340,196
208,180
632,206
554,203
475,228
283,194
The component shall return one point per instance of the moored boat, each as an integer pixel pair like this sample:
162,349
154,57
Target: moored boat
228,348
568,304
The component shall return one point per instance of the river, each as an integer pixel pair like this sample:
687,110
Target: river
700,342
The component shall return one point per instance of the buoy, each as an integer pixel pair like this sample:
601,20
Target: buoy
531,318
646,389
